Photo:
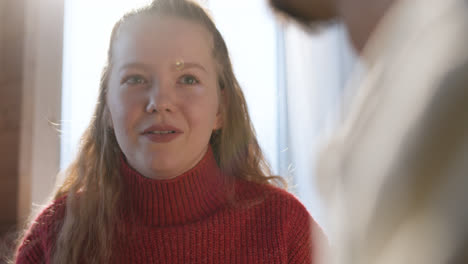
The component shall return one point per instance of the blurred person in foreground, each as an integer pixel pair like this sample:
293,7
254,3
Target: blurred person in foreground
395,173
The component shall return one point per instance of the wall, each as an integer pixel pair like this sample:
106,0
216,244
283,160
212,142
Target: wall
31,37
11,75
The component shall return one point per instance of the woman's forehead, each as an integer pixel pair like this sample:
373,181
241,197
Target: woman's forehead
163,36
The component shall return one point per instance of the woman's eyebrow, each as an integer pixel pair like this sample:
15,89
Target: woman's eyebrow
143,66
136,65
188,65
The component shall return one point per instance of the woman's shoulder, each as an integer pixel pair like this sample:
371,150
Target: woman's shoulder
53,212
304,237
46,220
41,232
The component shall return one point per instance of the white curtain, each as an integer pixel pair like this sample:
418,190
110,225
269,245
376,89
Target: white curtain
317,67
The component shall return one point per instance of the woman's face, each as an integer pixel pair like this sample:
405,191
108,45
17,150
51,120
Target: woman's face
163,95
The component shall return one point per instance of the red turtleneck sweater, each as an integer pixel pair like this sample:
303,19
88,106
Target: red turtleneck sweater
198,217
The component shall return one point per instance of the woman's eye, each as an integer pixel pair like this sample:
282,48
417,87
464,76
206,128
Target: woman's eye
134,79
188,79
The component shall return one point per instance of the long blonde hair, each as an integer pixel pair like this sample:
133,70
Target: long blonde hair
93,185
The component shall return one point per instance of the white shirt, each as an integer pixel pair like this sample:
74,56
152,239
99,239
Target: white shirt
396,172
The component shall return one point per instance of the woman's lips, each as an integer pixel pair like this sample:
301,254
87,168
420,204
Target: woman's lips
162,133
162,138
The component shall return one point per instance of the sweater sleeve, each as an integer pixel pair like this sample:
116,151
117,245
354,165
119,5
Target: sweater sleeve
306,240
38,240
32,248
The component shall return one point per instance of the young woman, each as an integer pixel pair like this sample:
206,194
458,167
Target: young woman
169,170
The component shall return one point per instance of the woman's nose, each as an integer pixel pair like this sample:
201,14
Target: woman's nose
161,99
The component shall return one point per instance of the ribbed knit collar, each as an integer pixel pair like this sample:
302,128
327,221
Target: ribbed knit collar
189,197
